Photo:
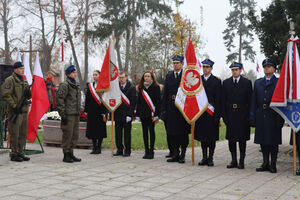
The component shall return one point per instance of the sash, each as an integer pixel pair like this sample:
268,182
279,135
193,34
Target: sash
94,94
125,99
149,101
210,110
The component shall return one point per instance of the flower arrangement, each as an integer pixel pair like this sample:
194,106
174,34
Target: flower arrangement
53,116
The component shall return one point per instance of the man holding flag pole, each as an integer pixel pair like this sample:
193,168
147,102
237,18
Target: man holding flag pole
191,99
108,85
286,97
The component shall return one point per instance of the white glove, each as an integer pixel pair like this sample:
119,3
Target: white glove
155,118
128,119
138,119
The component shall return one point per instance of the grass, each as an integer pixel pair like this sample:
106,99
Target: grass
137,136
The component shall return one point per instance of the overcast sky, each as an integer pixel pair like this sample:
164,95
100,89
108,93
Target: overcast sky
214,14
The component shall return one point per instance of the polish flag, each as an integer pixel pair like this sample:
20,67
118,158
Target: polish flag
40,102
191,98
27,71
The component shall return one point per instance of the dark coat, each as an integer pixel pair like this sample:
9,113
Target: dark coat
207,126
96,127
236,119
268,123
176,124
123,110
142,110
297,139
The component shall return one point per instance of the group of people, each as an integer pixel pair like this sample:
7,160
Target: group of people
234,100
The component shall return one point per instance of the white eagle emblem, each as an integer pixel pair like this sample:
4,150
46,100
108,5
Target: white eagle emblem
191,80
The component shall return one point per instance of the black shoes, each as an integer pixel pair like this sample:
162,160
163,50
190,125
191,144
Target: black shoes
233,164
25,158
264,167
16,158
210,162
241,164
75,159
175,158
118,153
169,155
182,156
149,154
203,162
126,154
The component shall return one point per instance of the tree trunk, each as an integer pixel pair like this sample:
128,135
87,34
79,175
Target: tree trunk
69,37
117,46
127,48
133,54
8,59
240,33
86,39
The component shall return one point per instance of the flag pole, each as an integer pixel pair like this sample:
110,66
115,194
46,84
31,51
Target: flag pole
193,143
112,134
294,151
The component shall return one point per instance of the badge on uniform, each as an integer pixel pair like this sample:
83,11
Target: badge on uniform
7,86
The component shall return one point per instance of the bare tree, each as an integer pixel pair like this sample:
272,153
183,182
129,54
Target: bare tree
46,13
6,20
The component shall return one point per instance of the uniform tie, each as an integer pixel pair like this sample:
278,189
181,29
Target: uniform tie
176,75
235,81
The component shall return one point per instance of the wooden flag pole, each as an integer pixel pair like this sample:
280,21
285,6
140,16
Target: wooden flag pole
193,144
112,134
294,151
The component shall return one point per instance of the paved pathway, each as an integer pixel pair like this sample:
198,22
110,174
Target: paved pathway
103,177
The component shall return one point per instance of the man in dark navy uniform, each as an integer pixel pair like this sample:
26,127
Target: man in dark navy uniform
268,123
207,126
177,127
236,94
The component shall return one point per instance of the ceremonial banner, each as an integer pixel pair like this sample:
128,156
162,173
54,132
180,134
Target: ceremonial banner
109,80
191,98
286,97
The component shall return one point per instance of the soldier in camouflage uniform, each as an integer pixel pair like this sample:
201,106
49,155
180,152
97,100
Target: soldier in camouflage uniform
13,90
68,101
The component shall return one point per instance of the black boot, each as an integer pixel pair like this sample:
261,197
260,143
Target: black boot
182,156
67,158
25,158
273,168
151,153
210,160
169,155
94,146
118,153
204,157
16,158
265,166
298,169
98,147
146,155
175,157
233,162
75,159
242,159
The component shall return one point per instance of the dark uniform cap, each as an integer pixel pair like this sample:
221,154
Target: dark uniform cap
18,64
70,69
269,61
236,65
177,58
208,62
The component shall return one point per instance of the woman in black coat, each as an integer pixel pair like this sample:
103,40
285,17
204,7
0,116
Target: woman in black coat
148,97
96,118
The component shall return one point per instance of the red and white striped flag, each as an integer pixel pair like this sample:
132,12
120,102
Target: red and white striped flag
109,80
40,102
191,98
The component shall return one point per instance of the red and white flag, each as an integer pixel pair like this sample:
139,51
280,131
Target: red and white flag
191,98
27,71
40,102
109,80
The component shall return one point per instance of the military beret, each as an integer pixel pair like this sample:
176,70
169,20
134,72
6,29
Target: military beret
207,62
70,69
177,58
269,61
18,64
236,65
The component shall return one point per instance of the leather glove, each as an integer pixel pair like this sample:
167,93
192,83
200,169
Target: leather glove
138,119
128,119
64,120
